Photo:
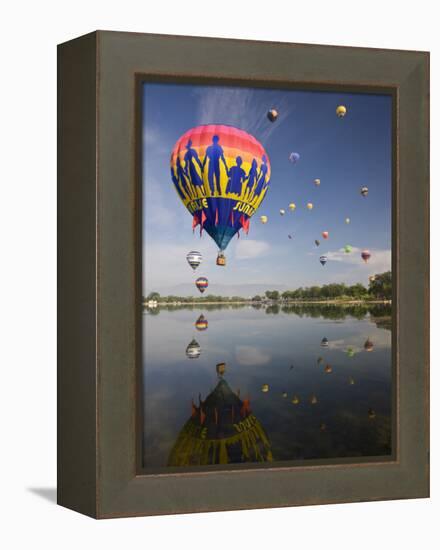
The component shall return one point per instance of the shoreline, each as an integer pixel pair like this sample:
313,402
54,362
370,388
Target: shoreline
272,303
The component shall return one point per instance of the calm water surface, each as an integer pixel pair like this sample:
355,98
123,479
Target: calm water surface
285,394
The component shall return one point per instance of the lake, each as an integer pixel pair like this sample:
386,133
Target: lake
263,384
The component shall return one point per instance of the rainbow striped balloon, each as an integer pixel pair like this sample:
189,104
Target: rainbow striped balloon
221,174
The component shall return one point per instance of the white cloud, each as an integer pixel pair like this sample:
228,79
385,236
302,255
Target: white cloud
380,259
247,249
251,356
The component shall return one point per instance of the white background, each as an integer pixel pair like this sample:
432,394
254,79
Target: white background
29,34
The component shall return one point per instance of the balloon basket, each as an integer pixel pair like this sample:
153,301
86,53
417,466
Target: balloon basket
221,259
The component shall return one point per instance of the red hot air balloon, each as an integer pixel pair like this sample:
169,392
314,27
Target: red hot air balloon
325,234
202,284
365,255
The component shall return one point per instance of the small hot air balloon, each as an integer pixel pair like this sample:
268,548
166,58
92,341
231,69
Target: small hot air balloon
284,394
263,219
290,236
324,234
328,369
295,400
202,284
265,388
365,255
282,211
323,260
347,249
193,350
317,242
364,191
351,381
319,360
202,323
372,278
294,158
371,414
272,115
341,111
194,259
317,182
313,399
292,206
324,343
309,206
350,352
368,346
220,369
347,220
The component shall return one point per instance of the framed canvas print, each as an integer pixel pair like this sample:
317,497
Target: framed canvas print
243,274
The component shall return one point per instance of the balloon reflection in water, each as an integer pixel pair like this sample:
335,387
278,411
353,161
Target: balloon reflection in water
193,350
221,430
202,323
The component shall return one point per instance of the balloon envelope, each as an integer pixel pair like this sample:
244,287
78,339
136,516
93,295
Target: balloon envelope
272,115
325,234
365,255
364,191
194,259
292,206
294,158
323,260
221,174
202,284
341,111
263,219
317,182
309,206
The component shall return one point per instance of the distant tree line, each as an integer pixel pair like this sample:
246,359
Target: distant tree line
379,288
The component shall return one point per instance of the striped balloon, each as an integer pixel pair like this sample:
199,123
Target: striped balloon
194,259
202,284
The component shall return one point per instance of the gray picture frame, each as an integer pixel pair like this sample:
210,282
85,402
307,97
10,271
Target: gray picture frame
99,266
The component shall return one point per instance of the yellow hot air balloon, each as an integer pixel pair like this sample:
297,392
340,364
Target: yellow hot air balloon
295,400
341,111
292,206
265,388
309,206
317,182
263,219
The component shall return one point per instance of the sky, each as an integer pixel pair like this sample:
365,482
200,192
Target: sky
344,153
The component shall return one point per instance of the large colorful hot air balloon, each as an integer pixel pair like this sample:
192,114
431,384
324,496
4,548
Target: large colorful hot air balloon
221,174
202,284
194,259
365,255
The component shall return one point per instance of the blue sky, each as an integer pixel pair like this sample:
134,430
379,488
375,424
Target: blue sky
344,154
